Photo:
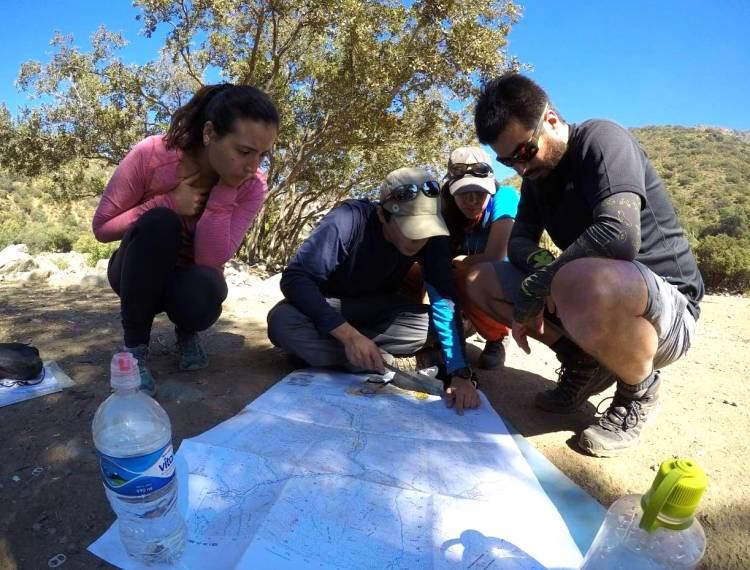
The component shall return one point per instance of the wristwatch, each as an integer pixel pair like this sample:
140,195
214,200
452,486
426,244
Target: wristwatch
466,373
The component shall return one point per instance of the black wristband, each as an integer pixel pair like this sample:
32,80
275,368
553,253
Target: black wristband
466,373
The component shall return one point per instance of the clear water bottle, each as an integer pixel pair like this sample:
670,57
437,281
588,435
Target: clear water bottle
133,439
657,530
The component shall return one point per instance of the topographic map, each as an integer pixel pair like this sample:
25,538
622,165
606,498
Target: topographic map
314,474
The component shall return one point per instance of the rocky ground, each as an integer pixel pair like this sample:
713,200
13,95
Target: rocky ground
52,501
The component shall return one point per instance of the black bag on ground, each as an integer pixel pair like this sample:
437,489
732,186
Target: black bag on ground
19,361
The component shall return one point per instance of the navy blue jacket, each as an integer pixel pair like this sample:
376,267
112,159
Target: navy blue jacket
348,256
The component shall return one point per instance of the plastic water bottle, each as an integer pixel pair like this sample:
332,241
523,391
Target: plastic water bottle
657,530
133,439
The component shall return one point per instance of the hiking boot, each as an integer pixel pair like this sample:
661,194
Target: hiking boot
190,352
577,381
140,353
620,427
493,355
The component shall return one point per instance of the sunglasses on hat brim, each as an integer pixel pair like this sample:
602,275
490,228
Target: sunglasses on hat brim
408,192
478,169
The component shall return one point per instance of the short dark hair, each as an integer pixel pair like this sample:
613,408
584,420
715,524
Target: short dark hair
510,96
221,104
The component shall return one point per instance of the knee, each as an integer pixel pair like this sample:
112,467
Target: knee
280,320
161,224
481,282
587,287
199,304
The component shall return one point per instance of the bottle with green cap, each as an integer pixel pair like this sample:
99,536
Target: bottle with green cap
657,530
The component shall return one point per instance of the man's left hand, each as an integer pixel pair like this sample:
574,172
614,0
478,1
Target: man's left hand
532,326
463,394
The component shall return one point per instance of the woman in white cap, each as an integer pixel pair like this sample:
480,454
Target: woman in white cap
479,214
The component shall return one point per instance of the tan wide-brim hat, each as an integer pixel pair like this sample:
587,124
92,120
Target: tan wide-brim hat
420,217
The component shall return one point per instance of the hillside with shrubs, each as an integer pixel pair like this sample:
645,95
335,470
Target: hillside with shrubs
706,172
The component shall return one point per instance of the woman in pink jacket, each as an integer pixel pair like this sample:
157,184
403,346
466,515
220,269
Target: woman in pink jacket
181,204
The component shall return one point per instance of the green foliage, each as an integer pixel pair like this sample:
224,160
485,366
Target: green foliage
707,174
29,215
94,249
363,87
724,262
61,263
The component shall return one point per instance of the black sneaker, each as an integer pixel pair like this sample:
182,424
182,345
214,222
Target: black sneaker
576,382
493,355
620,427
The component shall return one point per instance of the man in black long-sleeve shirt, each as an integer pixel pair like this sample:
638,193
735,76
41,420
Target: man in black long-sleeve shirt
626,287
342,307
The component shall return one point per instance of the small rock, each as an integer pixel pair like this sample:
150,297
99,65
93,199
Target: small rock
39,274
93,280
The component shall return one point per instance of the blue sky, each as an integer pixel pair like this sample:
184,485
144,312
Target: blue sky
638,62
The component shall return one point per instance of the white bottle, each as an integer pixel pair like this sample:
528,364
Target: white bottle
133,439
655,531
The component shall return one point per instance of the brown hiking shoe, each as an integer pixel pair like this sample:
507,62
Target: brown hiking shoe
576,382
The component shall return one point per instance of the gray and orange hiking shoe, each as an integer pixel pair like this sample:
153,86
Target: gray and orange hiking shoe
620,427
140,353
577,381
190,352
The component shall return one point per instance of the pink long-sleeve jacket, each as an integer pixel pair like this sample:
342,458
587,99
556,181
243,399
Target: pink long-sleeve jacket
145,179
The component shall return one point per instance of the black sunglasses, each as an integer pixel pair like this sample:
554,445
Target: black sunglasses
408,192
9,383
526,151
478,169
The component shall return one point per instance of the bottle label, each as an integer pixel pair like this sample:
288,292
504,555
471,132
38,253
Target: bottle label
140,475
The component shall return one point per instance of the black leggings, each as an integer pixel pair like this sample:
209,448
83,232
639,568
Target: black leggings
144,273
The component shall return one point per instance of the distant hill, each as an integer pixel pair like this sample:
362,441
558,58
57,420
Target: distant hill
707,173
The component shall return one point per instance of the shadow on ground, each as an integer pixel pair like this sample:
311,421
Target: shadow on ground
51,497
50,489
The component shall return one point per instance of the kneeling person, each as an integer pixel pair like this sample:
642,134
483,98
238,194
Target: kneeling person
342,307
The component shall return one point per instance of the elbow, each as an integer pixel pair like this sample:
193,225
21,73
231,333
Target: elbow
215,260
627,247
100,234
285,284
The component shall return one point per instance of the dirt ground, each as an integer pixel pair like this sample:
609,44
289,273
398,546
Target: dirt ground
61,508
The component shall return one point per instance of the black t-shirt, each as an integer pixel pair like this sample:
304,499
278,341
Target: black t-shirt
603,159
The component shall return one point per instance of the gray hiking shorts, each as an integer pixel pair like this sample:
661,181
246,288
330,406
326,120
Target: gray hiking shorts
666,309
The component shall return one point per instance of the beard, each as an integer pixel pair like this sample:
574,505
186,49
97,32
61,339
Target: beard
554,150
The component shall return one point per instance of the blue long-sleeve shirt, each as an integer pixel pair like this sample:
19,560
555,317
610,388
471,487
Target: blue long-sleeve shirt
348,256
